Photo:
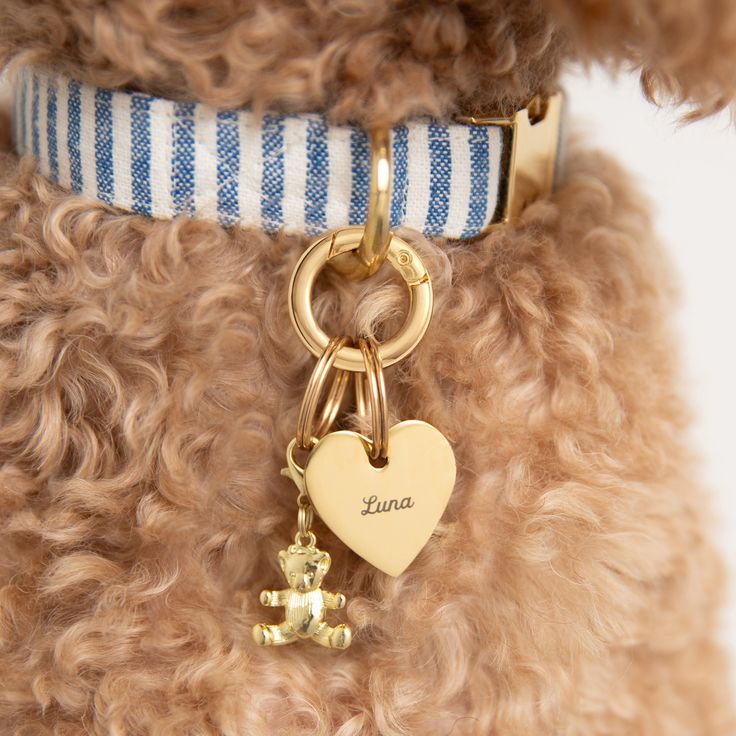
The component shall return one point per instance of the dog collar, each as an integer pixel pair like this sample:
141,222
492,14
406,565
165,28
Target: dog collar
292,172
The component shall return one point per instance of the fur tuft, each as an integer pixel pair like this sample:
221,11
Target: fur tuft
685,50
354,58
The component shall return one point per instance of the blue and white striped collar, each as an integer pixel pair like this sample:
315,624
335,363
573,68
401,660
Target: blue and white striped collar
295,173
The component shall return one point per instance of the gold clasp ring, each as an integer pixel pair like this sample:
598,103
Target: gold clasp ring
370,391
309,430
373,249
401,256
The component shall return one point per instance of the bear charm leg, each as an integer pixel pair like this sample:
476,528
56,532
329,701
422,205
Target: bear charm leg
337,637
273,634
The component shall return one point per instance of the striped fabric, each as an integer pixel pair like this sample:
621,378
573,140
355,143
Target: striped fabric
295,173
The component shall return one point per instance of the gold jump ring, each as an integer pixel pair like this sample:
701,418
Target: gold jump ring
374,385
305,516
401,256
308,432
310,536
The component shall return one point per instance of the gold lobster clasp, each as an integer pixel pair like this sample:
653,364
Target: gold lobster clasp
345,242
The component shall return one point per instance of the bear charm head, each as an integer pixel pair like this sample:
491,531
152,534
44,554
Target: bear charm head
304,567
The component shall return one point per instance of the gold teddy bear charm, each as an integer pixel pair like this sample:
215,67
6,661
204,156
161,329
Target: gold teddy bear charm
304,601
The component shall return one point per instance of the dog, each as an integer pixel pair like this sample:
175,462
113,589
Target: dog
150,380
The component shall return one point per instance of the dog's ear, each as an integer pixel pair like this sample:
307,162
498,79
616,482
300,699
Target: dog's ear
685,50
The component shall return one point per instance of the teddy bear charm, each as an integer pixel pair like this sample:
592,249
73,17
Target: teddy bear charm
304,601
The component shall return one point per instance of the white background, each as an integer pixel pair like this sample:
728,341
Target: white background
689,174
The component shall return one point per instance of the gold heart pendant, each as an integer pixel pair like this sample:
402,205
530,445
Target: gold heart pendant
386,515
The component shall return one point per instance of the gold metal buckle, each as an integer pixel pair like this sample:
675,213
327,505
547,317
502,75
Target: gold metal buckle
532,137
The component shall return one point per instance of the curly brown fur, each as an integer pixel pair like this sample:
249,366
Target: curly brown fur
355,58
686,50
150,378
150,382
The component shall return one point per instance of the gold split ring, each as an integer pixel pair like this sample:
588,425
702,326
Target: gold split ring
373,384
376,239
309,432
401,256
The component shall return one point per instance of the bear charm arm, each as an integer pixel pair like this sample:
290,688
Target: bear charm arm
274,597
333,600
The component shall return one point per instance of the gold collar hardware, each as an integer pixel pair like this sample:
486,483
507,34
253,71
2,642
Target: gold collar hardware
532,138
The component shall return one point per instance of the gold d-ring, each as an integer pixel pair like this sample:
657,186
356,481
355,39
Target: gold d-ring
373,248
401,256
